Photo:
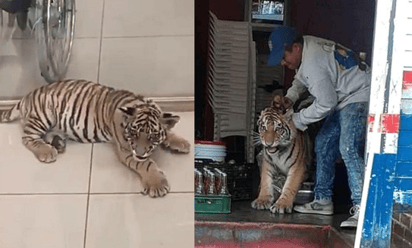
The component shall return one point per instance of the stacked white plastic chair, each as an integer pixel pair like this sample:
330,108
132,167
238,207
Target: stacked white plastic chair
232,80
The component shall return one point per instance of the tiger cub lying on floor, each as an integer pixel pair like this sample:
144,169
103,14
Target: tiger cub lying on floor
285,151
84,111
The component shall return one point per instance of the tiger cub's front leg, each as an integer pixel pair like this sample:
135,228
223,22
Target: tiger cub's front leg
44,152
176,143
34,131
266,193
295,177
153,180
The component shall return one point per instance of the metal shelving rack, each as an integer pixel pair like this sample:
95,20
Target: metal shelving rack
265,74
266,26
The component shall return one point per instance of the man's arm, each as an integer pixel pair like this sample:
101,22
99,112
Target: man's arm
325,101
296,90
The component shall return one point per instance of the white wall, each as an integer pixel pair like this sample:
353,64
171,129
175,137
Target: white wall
143,46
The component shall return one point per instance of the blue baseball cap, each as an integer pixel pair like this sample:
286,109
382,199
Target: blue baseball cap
278,40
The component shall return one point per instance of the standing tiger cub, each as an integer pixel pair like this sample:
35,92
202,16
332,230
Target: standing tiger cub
84,111
285,152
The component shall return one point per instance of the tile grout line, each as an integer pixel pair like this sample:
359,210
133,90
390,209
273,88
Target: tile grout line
138,193
101,44
97,193
39,194
121,37
88,197
149,36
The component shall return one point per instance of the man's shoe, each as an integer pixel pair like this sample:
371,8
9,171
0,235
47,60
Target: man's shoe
315,208
352,221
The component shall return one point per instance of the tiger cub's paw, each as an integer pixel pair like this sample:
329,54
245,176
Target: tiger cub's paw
281,206
177,144
59,143
262,203
155,185
46,153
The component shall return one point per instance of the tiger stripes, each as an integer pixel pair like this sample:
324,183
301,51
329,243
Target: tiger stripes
285,152
79,108
281,127
89,112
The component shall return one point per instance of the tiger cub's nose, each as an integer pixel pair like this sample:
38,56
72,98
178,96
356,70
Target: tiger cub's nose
269,143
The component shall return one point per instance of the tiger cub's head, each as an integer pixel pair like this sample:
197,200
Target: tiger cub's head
145,127
274,125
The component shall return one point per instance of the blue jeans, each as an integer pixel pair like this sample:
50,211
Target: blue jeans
342,134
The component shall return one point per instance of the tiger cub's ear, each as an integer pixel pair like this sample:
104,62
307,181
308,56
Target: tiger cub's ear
288,112
127,110
277,102
169,120
282,104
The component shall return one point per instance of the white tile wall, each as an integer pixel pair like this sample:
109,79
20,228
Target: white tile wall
85,59
19,69
143,46
89,18
131,18
152,66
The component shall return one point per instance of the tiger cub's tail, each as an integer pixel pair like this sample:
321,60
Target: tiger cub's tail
10,114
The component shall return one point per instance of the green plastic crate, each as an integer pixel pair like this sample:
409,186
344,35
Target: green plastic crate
212,204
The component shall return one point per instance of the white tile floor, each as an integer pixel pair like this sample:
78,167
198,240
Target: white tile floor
146,47
88,199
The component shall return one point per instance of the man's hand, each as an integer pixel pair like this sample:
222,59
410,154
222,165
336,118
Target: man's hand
298,124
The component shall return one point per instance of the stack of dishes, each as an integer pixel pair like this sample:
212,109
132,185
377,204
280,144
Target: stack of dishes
210,150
